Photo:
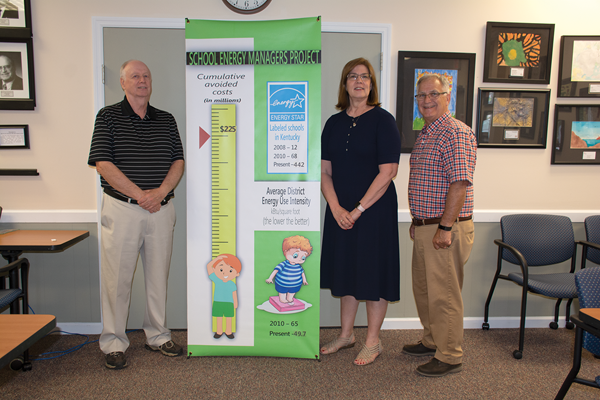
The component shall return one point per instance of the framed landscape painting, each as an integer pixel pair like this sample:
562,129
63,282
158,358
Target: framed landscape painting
579,73
576,138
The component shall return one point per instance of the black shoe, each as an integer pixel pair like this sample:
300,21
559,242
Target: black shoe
437,368
116,360
418,350
217,335
169,348
230,336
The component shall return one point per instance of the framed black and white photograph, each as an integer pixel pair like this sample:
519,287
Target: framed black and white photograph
17,86
512,118
458,68
518,52
576,138
14,137
579,73
15,19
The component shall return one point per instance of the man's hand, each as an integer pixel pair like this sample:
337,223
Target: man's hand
151,199
442,239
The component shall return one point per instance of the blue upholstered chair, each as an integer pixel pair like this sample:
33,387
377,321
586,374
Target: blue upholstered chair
533,241
587,282
17,288
591,247
591,252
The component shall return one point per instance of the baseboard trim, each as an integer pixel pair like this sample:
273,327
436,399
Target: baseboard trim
476,322
83,328
95,328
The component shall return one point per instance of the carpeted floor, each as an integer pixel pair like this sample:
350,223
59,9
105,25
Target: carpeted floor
490,372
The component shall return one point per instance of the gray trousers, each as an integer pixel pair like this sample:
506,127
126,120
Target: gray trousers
128,231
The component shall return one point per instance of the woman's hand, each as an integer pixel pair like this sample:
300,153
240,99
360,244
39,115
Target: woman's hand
343,218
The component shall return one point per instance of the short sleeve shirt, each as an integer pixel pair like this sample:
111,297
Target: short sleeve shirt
445,152
142,148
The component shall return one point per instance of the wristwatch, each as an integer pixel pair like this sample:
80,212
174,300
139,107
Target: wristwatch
445,228
359,207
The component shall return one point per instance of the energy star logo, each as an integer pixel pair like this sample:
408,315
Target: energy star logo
287,98
287,130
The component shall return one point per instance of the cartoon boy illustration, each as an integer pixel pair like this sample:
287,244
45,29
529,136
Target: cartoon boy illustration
221,271
289,274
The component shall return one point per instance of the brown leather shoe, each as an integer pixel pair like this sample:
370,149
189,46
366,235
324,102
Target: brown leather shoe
418,350
437,368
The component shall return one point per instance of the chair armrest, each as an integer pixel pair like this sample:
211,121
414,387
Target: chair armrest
517,254
5,269
585,243
11,270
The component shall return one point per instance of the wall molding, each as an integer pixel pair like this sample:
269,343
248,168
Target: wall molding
50,216
95,328
476,322
495,215
92,216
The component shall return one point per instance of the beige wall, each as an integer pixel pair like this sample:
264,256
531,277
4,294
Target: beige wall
61,125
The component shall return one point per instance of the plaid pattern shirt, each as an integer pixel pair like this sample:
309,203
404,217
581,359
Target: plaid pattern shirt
445,152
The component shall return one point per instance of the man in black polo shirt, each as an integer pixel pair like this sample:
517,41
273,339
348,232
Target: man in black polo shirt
137,150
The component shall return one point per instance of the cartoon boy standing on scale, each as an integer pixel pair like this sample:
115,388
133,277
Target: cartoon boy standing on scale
222,270
289,274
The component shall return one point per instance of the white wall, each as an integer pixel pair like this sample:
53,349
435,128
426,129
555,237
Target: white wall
61,125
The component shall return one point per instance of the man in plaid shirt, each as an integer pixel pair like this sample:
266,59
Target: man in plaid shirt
440,195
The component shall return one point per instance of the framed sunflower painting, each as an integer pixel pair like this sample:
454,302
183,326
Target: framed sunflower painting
518,53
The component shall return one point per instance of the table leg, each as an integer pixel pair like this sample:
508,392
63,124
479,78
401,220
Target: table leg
576,365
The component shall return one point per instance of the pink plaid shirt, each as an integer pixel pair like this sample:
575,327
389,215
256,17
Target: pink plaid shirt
445,152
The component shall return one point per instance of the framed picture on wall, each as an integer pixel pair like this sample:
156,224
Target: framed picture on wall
512,118
518,53
14,137
579,73
15,19
17,86
458,68
576,138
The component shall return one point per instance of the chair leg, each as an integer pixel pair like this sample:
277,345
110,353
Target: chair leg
518,354
486,309
554,324
568,323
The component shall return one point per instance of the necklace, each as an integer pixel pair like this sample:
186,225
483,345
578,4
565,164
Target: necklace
354,121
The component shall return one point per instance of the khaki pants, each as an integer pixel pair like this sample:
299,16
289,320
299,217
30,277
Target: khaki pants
128,231
437,277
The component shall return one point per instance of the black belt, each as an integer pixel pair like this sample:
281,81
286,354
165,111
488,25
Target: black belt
420,222
117,196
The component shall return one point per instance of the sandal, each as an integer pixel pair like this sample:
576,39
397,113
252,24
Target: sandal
369,354
338,344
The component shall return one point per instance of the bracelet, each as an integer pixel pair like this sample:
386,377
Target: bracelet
359,207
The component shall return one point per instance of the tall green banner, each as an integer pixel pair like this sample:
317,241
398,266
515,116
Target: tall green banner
253,187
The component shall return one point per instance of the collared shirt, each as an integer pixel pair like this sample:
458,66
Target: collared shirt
143,149
445,152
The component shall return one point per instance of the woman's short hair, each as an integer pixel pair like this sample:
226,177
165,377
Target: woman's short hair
343,97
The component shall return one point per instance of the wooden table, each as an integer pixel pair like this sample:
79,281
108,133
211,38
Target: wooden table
13,244
19,332
591,324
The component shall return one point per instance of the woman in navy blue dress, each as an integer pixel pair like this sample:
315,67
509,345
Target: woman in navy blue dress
360,260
